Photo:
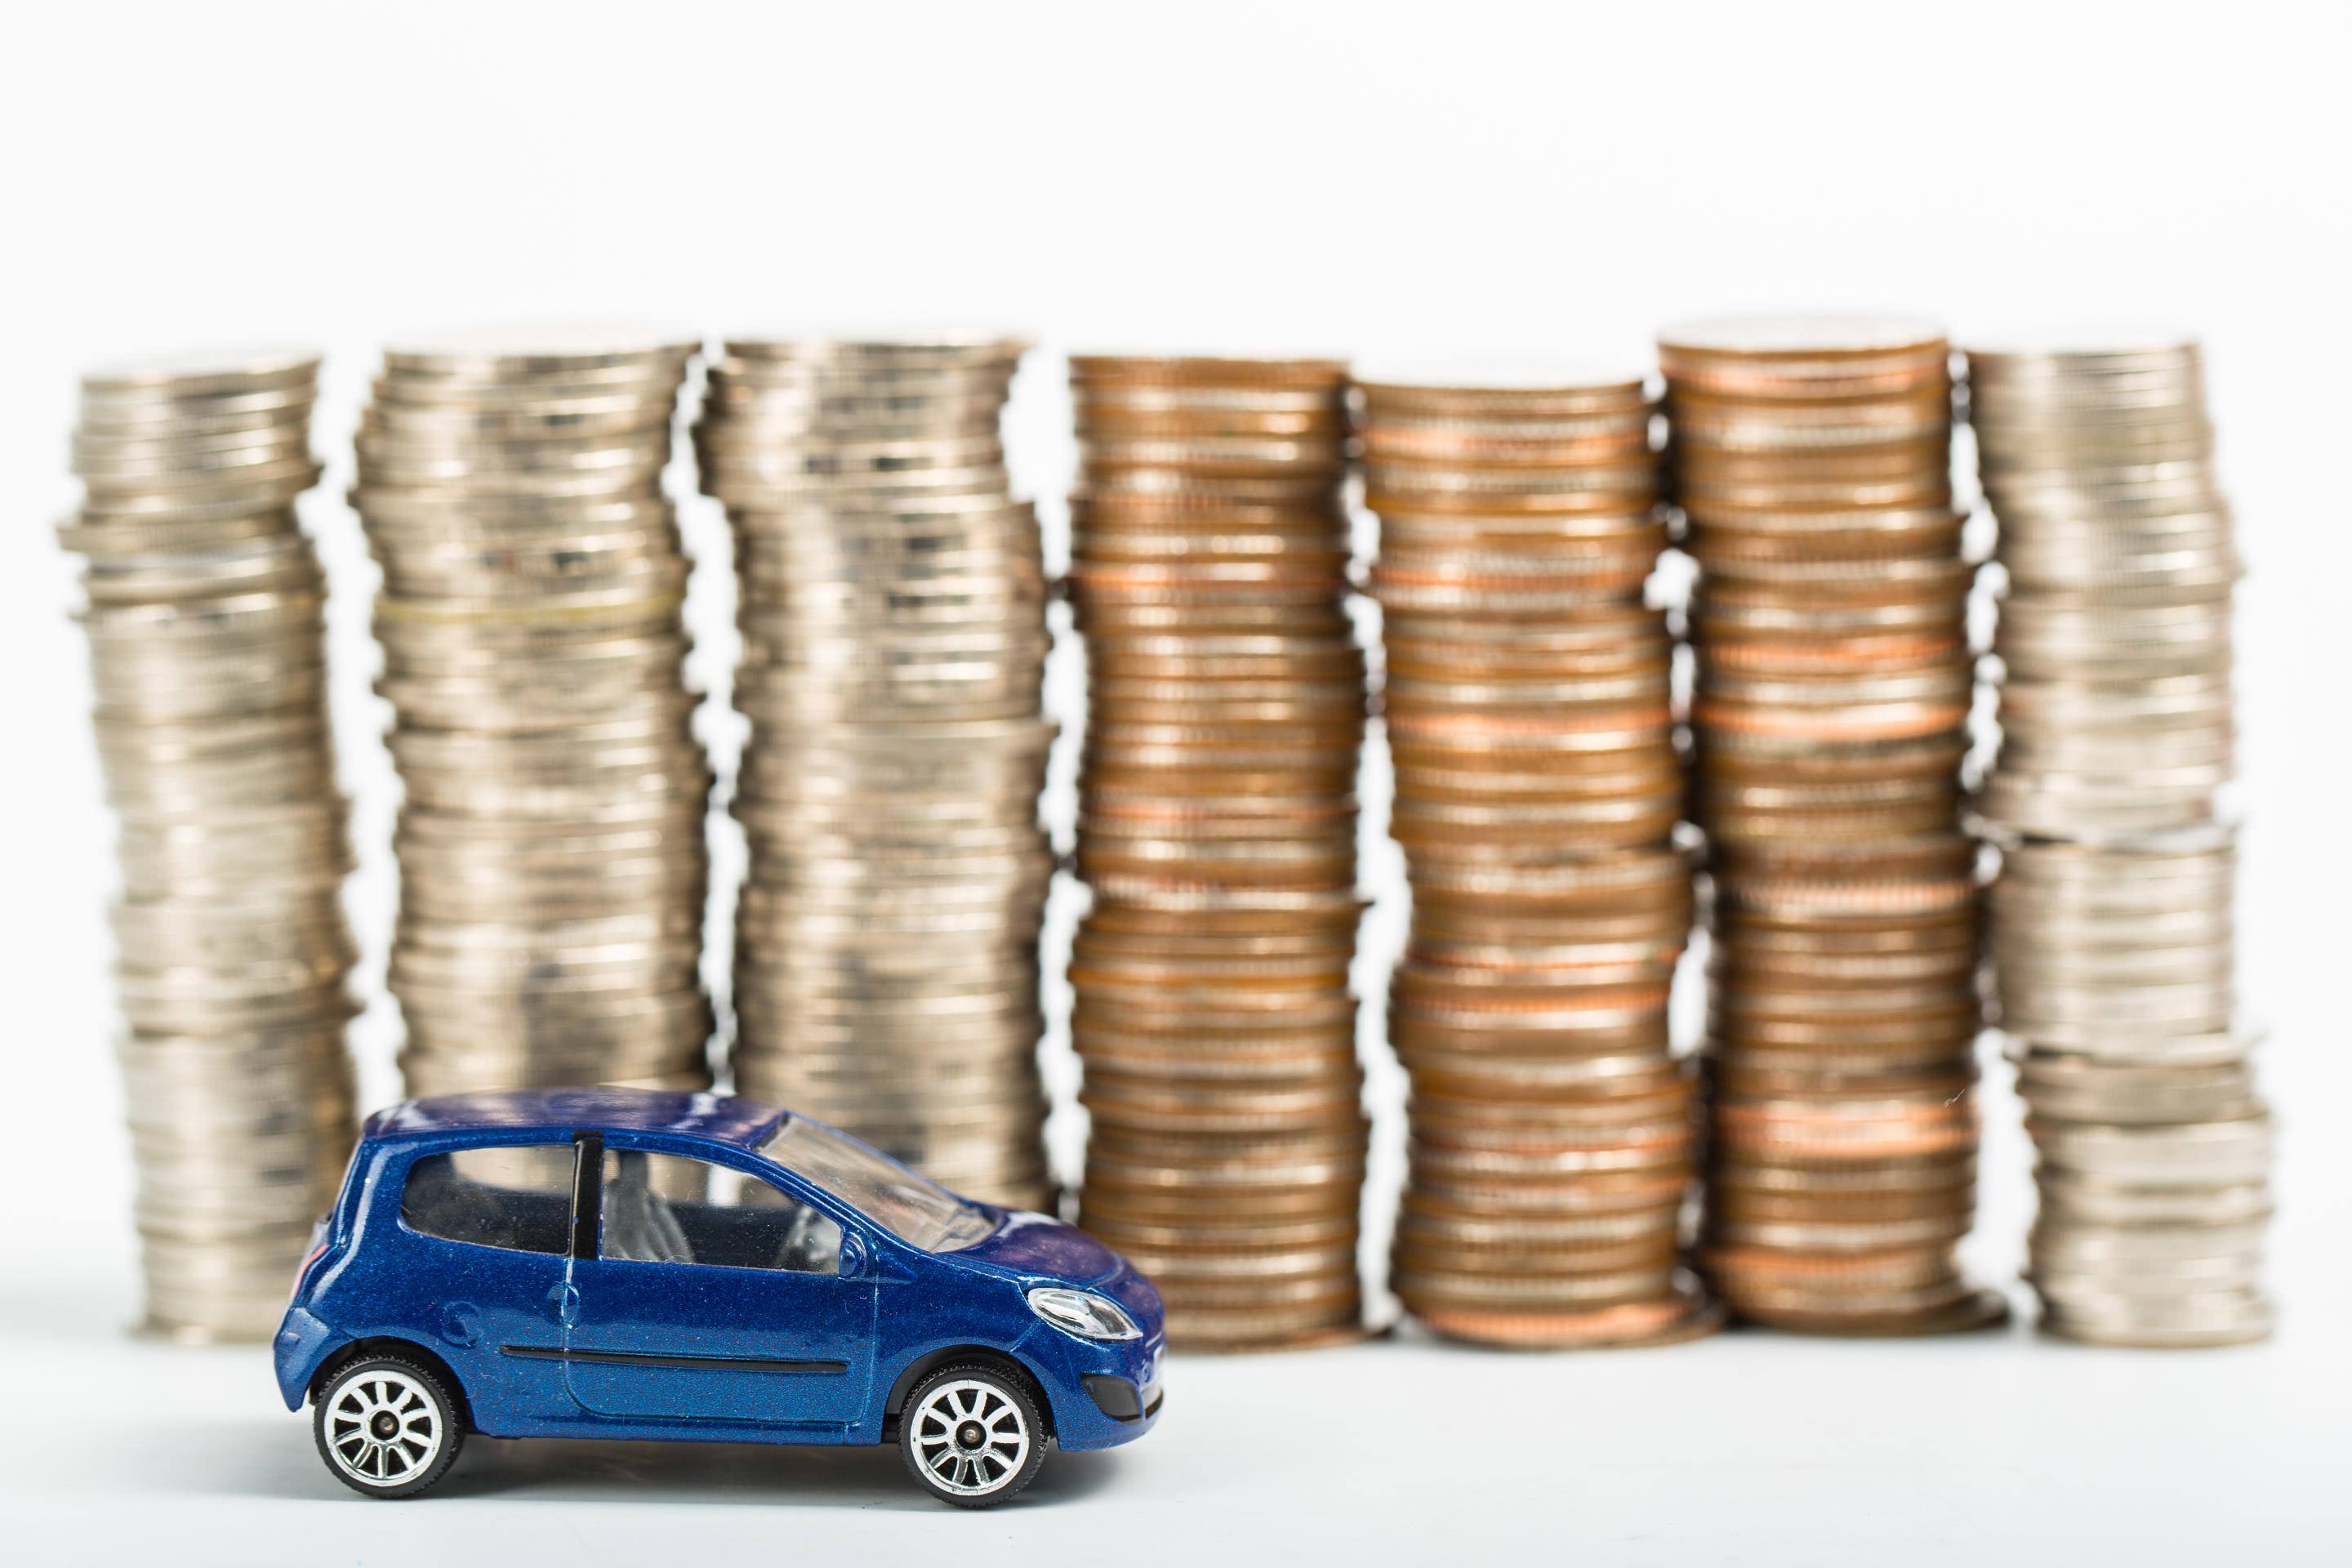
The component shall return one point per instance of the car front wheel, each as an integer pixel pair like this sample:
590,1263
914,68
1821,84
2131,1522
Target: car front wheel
387,1426
972,1435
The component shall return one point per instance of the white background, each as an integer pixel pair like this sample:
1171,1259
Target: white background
1444,179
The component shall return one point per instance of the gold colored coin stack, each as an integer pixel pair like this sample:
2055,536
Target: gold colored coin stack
207,654
892,608
1217,830
1529,710
2112,931
1829,716
550,845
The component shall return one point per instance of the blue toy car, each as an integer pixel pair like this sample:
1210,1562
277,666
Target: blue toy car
623,1263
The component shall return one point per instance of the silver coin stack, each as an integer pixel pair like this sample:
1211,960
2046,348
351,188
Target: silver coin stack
2112,922
893,613
207,654
553,862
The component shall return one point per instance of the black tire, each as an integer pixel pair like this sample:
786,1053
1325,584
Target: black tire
399,1419
958,1448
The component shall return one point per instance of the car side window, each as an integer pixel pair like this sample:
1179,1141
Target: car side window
516,1199
667,1208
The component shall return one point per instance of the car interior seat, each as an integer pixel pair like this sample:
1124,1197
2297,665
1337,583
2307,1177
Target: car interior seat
638,1224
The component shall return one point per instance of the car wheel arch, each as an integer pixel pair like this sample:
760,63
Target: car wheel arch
407,1350
991,1356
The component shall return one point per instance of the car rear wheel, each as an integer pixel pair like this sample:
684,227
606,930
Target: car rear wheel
972,1435
387,1426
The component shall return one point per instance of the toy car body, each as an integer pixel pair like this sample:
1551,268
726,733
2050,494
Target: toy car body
621,1263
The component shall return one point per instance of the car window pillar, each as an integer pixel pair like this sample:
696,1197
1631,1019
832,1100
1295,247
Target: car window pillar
587,1194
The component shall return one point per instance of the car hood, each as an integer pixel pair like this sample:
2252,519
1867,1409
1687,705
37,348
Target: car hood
1034,1246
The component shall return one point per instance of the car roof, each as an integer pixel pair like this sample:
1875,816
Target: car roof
717,1117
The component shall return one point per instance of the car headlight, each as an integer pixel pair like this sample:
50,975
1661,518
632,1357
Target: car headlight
1083,1313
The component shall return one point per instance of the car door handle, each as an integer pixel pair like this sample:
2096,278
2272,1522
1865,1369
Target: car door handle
567,1303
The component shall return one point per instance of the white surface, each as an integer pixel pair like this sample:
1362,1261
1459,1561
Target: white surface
1453,180
1752,1449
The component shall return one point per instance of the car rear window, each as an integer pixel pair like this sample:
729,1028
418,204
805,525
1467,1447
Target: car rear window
517,1198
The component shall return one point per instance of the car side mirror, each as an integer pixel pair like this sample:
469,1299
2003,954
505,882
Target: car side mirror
853,1255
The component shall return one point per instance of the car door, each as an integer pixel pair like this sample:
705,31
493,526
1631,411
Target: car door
715,1295
487,1232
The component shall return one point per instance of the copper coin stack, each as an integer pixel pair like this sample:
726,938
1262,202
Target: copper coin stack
1529,705
1829,714
1217,831
204,614
2113,927
550,845
892,608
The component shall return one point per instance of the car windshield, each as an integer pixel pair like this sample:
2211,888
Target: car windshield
917,1211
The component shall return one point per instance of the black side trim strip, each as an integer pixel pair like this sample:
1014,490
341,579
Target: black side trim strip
698,1362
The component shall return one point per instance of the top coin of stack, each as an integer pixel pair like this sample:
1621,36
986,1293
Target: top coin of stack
1529,708
2113,940
894,643
207,654
1217,826
550,845
1829,716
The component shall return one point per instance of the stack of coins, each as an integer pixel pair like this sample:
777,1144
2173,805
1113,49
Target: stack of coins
550,845
892,608
2121,562
2112,931
1529,705
204,600
1830,717
1217,831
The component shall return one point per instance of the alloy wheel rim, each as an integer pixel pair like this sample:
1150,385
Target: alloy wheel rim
384,1428
970,1437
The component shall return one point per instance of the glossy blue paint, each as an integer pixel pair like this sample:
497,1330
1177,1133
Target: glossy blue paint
555,1344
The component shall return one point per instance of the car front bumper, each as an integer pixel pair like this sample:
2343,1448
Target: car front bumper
1112,1394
